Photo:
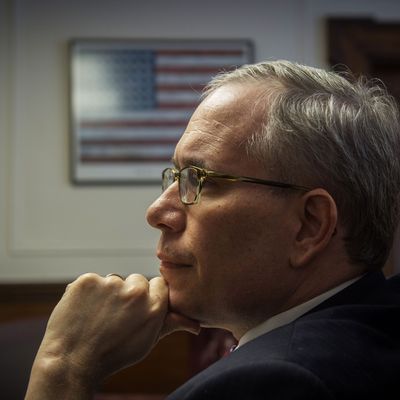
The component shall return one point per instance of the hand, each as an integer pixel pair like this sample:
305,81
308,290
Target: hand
102,325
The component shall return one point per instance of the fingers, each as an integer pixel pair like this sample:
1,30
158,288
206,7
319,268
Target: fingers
176,322
154,292
136,281
134,284
158,289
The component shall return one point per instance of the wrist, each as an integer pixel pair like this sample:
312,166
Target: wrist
55,376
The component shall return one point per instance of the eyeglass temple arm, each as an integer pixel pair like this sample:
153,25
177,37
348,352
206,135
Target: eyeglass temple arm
258,181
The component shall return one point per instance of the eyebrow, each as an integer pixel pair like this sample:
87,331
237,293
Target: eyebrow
195,162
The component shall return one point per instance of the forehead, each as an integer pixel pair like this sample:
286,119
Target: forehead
219,127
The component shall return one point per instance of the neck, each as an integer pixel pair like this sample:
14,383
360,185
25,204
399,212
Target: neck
309,285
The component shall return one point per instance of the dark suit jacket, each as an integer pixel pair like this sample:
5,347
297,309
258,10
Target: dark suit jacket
348,347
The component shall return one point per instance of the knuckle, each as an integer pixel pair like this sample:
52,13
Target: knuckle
158,307
136,286
136,292
113,282
87,280
137,278
158,280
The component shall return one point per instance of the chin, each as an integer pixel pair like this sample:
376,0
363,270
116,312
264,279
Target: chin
183,304
186,306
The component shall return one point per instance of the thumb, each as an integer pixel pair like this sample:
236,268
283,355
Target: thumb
176,322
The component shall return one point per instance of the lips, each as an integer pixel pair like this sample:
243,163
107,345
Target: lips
167,263
172,265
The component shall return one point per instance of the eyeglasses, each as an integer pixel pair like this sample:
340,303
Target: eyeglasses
191,180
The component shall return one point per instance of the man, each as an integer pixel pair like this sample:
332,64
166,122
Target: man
275,223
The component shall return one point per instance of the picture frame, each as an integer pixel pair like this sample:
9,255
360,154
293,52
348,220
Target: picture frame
130,101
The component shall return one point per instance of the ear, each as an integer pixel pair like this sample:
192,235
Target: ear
317,213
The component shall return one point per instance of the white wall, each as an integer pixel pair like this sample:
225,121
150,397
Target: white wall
51,230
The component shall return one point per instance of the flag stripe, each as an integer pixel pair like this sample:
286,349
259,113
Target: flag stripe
132,123
126,133
123,159
180,87
177,105
199,52
127,142
192,69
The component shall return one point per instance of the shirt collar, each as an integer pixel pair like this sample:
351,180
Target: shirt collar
290,315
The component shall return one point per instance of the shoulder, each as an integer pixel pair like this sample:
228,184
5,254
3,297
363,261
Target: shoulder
256,380
320,358
263,367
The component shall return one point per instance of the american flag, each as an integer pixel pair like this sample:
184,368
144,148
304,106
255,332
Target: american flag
131,102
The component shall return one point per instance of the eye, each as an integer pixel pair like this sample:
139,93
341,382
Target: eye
192,176
210,181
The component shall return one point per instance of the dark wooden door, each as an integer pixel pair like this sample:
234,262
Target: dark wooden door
367,47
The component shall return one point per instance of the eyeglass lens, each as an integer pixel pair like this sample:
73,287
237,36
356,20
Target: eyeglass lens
168,178
189,182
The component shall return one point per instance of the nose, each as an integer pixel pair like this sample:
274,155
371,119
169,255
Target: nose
167,211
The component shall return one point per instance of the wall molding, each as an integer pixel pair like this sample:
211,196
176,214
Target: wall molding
84,252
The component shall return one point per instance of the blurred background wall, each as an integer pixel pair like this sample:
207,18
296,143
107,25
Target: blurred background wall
51,230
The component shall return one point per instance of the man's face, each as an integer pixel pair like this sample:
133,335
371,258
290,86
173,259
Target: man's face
226,258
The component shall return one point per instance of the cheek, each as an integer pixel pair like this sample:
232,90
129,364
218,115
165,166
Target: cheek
233,238
245,231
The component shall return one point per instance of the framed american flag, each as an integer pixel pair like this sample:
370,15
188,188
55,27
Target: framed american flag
130,101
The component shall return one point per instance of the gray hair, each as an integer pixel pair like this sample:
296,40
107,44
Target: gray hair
339,133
